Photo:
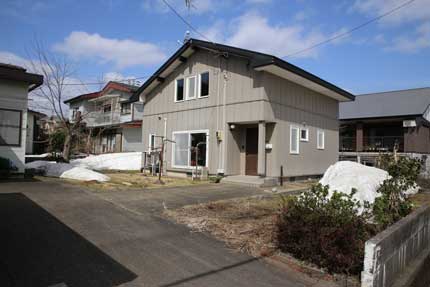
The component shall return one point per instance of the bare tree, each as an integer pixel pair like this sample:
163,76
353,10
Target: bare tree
57,71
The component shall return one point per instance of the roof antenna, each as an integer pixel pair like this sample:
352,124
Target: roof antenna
189,4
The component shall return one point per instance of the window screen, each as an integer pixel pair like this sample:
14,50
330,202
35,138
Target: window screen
180,90
191,87
320,139
181,149
204,85
10,127
294,140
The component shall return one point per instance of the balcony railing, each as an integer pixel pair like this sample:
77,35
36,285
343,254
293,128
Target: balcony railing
373,144
347,143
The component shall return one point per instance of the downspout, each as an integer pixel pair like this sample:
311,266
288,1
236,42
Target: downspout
224,119
219,169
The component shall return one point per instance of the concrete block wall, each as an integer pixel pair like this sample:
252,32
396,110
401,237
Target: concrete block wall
390,254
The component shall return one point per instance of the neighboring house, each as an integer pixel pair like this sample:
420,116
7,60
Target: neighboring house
35,143
15,83
379,122
115,122
250,113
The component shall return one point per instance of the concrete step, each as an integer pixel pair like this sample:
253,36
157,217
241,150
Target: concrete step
248,180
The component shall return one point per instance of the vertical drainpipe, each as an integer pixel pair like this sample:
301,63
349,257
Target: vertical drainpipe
219,167
224,121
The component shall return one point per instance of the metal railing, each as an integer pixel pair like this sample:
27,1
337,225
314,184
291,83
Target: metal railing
373,144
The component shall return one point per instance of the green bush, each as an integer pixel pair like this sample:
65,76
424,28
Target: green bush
327,232
394,204
57,140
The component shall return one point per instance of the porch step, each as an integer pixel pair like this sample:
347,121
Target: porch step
248,180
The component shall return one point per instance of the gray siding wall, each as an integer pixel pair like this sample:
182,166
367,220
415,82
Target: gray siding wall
14,95
250,96
291,104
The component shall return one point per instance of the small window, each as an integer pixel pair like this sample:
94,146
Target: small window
107,108
191,87
10,127
304,134
125,108
204,85
294,140
75,113
320,139
151,142
179,91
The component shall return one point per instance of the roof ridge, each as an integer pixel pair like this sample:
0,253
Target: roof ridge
393,91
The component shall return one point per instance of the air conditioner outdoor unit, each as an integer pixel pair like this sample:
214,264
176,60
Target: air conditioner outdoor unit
409,123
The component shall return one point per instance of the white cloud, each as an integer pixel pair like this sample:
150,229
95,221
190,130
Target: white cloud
122,53
416,11
11,58
253,31
407,44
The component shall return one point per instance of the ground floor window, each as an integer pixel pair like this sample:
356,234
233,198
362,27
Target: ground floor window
10,127
190,148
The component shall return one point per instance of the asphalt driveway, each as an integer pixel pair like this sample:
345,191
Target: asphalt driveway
54,234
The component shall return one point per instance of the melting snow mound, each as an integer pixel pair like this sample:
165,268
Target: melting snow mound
345,175
65,170
111,161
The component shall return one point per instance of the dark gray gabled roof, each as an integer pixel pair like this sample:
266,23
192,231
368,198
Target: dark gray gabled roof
256,60
17,73
386,104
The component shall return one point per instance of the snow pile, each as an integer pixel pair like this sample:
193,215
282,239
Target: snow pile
111,161
345,175
65,170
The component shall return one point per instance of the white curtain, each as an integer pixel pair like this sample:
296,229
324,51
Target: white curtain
181,149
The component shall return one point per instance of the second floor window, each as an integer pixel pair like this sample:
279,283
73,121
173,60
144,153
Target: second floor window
179,92
125,108
204,85
191,87
107,108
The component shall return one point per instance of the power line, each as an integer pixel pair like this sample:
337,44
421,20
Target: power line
350,30
102,83
185,21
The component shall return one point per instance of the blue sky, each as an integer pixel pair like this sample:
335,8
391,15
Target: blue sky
114,39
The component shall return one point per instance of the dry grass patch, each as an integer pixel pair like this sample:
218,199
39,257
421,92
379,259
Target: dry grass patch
245,224
136,180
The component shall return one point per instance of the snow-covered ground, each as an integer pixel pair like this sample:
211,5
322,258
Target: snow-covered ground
65,170
111,161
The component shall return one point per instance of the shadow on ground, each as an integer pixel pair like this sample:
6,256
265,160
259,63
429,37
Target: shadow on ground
38,250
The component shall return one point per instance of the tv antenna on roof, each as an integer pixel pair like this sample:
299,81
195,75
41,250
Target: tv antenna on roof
189,4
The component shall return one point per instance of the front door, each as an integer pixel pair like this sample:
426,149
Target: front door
251,151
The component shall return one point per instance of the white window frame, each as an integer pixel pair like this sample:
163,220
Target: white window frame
187,85
306,139
297,140
189,166
320,145
150,146
200,85
176,90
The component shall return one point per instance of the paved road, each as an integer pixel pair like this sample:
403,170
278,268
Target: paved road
53,234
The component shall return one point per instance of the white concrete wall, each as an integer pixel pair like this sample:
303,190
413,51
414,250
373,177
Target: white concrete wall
14,95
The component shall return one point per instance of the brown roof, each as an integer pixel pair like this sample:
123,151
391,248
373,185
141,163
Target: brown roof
109,86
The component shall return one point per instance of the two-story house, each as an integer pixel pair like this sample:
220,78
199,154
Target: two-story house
115,123
248,113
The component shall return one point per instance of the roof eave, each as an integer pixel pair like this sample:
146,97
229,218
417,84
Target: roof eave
300,76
